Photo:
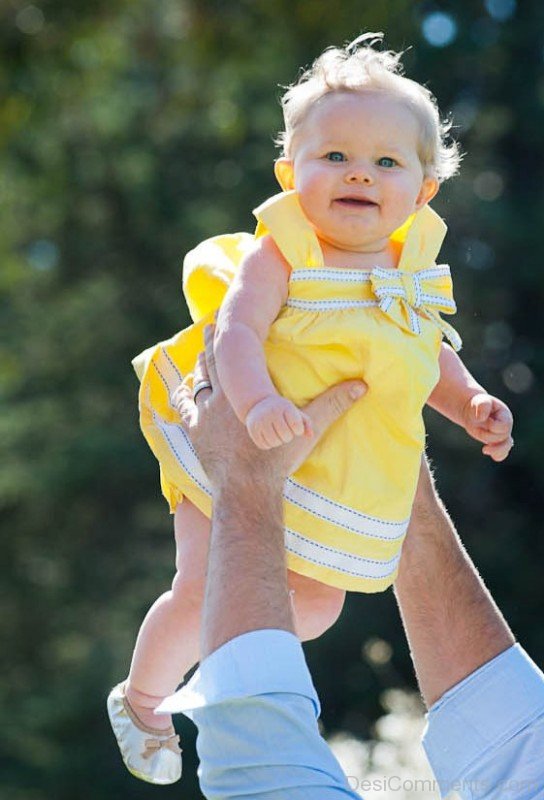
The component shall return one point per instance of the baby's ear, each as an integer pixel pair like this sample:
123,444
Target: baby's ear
429,188
283,170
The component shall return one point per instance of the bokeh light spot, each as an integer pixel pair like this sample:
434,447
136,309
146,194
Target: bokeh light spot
518,377
174,20
498,336
377,651
488,186
43,254
477,254
500,10
30,20
439,29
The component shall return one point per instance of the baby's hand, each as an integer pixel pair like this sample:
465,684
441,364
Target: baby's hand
275,421
490,421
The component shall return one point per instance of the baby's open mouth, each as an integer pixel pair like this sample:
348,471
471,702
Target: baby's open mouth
359,202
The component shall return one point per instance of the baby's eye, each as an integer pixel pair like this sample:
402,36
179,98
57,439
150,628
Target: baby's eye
335,155
387,162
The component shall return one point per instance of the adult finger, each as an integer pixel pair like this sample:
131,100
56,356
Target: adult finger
308,426
320,413
175,397
200,372
331,404
201,375
209,332
185,406
182,400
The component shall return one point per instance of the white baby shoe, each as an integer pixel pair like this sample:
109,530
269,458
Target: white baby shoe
150,754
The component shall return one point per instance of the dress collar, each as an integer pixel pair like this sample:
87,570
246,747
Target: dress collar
420,237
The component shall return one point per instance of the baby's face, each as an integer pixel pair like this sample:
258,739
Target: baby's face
356,169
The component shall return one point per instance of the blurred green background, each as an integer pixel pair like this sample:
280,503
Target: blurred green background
129,131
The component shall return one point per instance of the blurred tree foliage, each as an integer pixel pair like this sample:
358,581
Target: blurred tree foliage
130,130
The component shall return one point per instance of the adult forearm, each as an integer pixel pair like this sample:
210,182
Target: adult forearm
452,623
246,587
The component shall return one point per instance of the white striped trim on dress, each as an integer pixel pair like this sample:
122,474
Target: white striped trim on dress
183,450
340,275
415,326
169,374
448,331
338,560
429,299
306,549
438,271
308,500
344,516
347,518
422,298
333,275
329,305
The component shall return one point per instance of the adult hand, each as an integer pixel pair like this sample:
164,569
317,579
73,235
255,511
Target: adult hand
222,443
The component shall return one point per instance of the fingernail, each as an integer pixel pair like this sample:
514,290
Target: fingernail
356,391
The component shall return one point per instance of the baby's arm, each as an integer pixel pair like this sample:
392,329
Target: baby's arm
460,397
251,305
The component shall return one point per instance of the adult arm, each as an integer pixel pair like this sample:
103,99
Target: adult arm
452,624
252,697
485,732
246,584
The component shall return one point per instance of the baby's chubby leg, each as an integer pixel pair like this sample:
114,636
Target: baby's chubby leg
316,606
168,643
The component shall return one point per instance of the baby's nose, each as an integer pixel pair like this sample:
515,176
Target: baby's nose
359,174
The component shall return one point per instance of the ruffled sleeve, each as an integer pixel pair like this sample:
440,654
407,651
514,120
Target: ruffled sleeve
208,270
282,217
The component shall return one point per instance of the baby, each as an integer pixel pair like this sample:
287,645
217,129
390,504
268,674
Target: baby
339,282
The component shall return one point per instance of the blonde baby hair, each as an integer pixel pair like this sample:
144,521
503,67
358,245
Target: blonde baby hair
360,67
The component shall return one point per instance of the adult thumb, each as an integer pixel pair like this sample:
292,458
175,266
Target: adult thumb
333,403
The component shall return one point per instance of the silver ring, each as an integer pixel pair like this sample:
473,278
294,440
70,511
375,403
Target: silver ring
198,387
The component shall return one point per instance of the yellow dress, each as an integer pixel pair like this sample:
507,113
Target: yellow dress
348,506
